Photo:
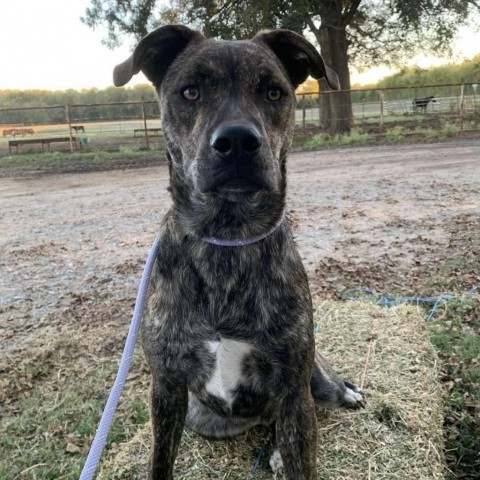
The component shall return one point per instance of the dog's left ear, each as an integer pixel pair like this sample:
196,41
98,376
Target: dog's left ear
299,57
155,53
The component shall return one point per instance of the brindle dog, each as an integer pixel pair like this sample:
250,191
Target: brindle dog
228,331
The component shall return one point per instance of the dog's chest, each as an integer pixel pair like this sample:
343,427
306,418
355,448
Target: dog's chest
228,370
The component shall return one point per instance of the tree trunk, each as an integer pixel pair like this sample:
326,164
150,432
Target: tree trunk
336,108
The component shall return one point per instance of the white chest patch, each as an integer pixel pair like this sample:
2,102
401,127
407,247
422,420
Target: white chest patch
228,367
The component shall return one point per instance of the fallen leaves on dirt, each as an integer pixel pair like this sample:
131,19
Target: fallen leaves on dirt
454,268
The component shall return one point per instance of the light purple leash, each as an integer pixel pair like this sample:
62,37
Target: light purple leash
100,439
98,444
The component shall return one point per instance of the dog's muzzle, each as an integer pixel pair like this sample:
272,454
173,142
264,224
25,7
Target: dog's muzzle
236,163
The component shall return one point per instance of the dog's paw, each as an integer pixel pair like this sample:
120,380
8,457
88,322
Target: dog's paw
353,397
276,463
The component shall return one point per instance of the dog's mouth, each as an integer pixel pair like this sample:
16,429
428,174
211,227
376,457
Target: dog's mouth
238,185
241,177
240,182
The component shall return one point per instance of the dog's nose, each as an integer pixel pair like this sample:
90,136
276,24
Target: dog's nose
235,139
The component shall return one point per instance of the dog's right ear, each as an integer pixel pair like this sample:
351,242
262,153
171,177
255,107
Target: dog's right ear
299,57
155,53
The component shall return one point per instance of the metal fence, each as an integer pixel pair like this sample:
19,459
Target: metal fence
137,125
410,108
100,126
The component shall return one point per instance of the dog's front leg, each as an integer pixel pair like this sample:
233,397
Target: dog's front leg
168,408
296,438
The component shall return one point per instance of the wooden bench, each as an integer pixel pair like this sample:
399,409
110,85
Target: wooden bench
151,132
42,141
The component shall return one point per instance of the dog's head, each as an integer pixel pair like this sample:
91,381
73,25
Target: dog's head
227,107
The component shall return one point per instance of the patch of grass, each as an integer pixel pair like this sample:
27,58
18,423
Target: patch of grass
325,140
355,138
53,429
395,134
54,391
428,133
450,130
77,161
457,338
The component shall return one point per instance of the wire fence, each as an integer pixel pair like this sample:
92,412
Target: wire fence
377,110
111,126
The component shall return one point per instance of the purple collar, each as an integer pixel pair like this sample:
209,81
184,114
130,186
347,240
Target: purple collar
246,241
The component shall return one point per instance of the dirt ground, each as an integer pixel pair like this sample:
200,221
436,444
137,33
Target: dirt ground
75,238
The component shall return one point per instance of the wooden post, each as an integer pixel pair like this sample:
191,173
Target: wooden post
462,105
474,86
320,108
381,112
303,111
145,125
67,113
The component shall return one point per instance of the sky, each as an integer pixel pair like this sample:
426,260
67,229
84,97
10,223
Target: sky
45,46
466,46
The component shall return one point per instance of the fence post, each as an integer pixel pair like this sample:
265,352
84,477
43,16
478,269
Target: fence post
462,105
381,112
475,86
67,114
145,125
303,111
320,106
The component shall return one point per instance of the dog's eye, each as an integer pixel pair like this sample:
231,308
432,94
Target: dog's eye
274,94
191,93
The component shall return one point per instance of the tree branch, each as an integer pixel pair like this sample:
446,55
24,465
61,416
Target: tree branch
312,27
348,16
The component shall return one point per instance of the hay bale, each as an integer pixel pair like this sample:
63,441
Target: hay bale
397,436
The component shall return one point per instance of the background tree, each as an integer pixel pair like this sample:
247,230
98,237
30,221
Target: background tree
361,33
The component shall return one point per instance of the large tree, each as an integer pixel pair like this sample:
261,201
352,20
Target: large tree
361,33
